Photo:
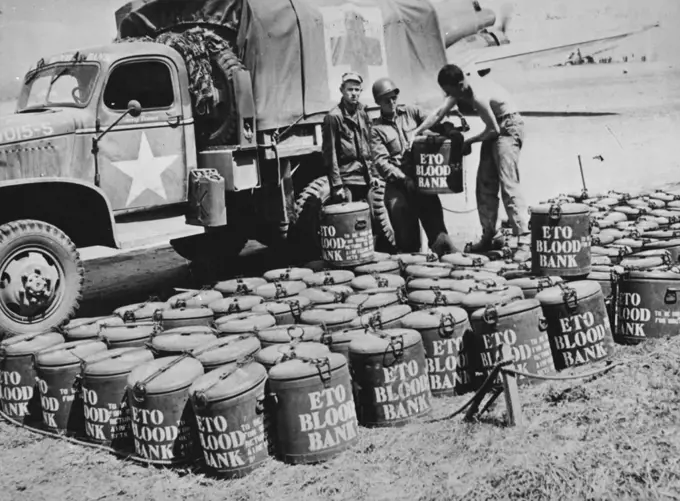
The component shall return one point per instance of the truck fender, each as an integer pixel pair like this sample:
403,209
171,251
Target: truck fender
85,216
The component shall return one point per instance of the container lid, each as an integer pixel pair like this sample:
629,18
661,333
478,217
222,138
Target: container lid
118,361
345,208
291,274
497,295
616,217
413,258
271,354
227,382
507,309
294,304
199,313
189,329
27,344
432,318
612,233
605,239
464,259
532,283
244,322
662,234
475,275
227,350
366,301
327,294
328,277
668,274
282,334
380,256
90,327
302,367
600,260
239,285
278,290
166,374
385,340
566,208
436,297
140,311
376,319
69,353
335,316
178,343
387,266
234,304
344,336
121,333
463,285
556,295
641,263
633,243
378,280
422,271
662,244
194,299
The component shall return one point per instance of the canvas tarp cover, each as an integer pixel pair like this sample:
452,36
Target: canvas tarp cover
297,50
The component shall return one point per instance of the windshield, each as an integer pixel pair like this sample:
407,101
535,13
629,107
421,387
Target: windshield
66,84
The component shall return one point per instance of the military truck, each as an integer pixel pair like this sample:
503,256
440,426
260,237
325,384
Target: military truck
237,87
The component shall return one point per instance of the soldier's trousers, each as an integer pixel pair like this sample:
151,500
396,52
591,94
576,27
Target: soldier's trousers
498,169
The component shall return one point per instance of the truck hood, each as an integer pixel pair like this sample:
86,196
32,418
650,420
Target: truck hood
40,144
37,124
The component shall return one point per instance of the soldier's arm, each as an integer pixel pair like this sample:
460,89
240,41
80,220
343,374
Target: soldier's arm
381,158
435,117
329,151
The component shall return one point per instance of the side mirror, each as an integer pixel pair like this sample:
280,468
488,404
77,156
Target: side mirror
134,108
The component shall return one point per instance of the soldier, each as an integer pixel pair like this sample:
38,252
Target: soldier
502,141
390,138
346,144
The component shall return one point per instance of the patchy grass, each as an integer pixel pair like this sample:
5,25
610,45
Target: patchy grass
614,437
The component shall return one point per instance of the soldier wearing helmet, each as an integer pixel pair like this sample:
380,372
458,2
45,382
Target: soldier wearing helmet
390,138
346,144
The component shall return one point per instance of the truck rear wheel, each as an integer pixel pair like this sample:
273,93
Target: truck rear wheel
41,277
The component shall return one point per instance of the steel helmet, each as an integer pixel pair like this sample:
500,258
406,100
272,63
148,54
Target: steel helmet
383,86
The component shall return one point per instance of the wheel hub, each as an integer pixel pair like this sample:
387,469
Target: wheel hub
29,284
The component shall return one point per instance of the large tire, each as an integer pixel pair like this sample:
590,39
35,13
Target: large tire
220,127
303,235
389,206
37,257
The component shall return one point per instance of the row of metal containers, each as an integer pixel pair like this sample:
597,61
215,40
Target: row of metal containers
402,329
634,252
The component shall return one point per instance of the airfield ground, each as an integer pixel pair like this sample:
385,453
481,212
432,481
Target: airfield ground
616,437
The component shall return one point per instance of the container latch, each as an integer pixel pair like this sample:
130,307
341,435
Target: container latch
555,212
447,325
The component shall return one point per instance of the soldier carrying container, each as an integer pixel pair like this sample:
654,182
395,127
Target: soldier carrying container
346,144
502,140
390,137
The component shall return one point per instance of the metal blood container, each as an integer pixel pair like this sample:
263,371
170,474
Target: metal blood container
290,274
434,164
560,240
444,331
327,294
242,286
533,285
390,372
230,415
373,299
286,311
60,398
520,326
646,305
384,318
492,295
133,335
19,395
274,354
334,319
464,260
140,312
279,290
183,317
88,328
578,325
346,234
176,344
226,350
243,323
429,270
339,341
378,280
386,266
194,299
419,300
328,277
288,333
163,422
313,408
106,409
234,304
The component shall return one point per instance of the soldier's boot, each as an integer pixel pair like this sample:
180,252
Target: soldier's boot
486,244
443,245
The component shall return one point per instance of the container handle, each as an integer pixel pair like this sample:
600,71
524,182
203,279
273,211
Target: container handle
328,279
361,225
671,295
490,315
234,307
542,324
396,346
439,298
295,308
447,325
555,212
280,291
292,329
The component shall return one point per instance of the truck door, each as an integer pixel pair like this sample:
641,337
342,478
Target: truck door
142,159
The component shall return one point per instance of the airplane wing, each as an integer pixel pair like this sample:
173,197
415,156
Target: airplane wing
483,59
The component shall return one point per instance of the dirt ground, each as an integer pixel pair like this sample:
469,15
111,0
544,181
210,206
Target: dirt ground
614,437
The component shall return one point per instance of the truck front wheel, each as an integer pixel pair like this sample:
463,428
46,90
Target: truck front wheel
41,277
